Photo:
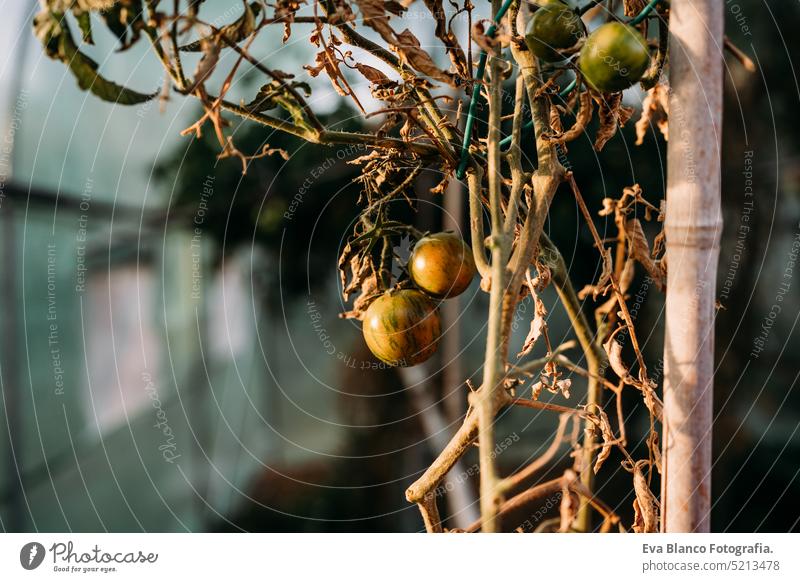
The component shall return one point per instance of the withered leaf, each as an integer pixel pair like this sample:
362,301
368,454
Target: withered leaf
538,323
608,440
234,32
331,67
563,386
374,15
614,350
605,278
654,446
639,250
374,76
655,107
568,508
582,119
613,115
206,65
285,10
448,37
410,52
652,401
645,506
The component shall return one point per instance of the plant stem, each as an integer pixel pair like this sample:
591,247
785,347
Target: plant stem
475,185
494,362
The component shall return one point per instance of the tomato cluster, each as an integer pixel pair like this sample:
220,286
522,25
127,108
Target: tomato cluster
614,57
402,327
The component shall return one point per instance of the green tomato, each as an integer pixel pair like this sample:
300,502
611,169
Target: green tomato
402,328
614,57
552,28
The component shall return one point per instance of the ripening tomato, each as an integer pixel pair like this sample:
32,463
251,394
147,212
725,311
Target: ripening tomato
441,264
614,57
402,328
553,27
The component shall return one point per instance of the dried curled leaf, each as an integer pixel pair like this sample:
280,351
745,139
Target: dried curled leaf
613,115
538,325
325,62
614,350
603,282
639,250
378,80
234,32
653,443
651,400
608,440
568,508
374,15
357,273
655,107
563,386
581,121
554,120
645,506
82,5
410,52
285,10
447,36
206,64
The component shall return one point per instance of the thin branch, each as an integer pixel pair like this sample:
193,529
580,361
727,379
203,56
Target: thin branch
475,186
526,497
537,464
538,405
518,177
536,365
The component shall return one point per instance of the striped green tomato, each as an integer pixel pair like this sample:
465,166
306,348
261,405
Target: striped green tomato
441,264
402,328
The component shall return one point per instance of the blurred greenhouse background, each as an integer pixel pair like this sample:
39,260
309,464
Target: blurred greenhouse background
172,357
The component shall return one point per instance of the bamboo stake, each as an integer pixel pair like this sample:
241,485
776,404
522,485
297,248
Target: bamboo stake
692,226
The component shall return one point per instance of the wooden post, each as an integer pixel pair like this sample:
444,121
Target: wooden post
693,225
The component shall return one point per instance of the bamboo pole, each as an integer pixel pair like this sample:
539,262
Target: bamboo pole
693,224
